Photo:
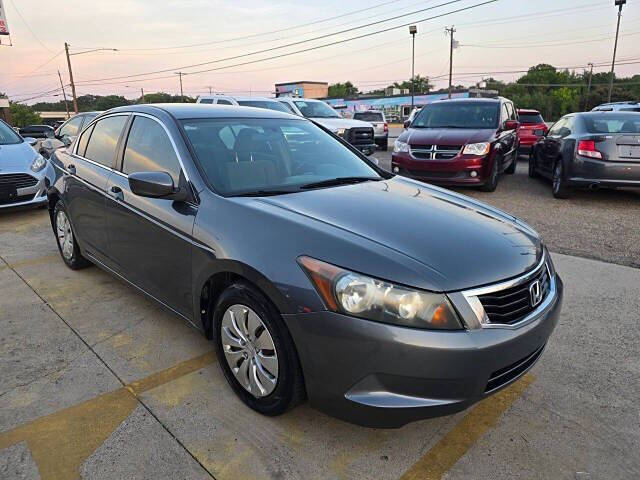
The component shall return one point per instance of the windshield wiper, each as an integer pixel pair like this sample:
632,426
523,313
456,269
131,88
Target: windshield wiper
338,181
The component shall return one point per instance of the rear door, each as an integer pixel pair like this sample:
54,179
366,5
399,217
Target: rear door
555,141
87,171
149,238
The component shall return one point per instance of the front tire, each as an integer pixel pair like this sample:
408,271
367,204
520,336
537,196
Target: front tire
511,169
492,182
256,352
66,240
559,186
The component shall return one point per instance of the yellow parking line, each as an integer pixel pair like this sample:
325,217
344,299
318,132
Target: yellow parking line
31,261
61,442
444,454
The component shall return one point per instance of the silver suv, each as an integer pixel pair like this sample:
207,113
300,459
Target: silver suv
380,126
618,107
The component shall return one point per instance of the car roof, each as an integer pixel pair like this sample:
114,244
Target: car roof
200,110
528,110
369,111
259,99
605,114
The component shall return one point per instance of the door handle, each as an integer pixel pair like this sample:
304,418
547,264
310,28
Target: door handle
116,192
71,169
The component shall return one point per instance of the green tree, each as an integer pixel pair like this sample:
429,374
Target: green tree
23,115
346,89
422,84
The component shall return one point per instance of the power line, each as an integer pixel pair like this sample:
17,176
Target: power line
235,57
33,34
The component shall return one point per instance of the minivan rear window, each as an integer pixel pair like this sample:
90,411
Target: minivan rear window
368,116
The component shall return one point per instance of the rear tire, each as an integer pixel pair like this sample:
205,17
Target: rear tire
492,182
559,186
289,383
66,239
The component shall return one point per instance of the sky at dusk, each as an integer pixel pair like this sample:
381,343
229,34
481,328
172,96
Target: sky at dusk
504,36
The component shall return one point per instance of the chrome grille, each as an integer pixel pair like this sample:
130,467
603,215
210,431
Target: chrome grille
512,304
17,180
435,152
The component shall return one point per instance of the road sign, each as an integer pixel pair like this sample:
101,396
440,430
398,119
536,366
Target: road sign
4,26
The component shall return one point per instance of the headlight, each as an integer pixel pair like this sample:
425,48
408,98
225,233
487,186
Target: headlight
477,149
38,163
399,146
365,297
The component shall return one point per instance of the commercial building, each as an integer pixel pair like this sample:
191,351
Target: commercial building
303,89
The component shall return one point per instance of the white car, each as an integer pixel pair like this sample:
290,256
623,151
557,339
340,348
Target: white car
357,133
257,102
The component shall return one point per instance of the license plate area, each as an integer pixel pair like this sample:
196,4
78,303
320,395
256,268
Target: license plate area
538,133
629,151
7,193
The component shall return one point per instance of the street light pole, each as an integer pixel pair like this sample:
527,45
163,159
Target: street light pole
413,30
619,4
586,102
181,94
73,85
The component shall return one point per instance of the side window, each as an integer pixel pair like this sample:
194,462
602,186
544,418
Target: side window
567,128
150,150
206,100
82,143
504,113
104,140
72,127
224,102
512,112
556,127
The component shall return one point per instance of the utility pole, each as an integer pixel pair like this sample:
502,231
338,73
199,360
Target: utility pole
64,94
586,102
450,31
209,87
73,85
413,30
619,4
181,94
142,95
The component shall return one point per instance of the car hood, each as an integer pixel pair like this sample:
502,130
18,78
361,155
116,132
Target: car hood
335,123
446,136
465,242
16,157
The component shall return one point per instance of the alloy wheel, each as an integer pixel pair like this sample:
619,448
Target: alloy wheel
249,350
65,235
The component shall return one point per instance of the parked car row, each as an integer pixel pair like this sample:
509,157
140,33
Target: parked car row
470,142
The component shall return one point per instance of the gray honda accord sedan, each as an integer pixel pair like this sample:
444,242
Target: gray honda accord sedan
316,274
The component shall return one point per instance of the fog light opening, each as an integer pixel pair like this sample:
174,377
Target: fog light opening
473,174
396,169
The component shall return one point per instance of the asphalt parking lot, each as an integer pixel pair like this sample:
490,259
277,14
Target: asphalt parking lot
99,382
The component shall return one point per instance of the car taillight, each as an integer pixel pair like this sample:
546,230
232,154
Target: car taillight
587,148
386,127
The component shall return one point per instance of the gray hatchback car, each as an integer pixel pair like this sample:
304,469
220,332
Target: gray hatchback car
315,273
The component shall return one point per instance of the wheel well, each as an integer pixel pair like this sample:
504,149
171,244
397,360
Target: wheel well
210,293
53,199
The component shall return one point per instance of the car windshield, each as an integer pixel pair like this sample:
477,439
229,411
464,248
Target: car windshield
264,104
316,109
613,123
7,135
368,116
250,156
457,115
530,118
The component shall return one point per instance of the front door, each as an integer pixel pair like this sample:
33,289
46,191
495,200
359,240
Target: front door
149,238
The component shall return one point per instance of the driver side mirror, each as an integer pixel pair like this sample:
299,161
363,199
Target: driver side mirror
511,125
66,140
406,124
156,185
50,134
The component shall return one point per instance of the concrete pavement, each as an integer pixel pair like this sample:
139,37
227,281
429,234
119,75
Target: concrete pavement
99,382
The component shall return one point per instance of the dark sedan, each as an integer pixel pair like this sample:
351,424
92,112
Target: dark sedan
589,150
464,142
315,273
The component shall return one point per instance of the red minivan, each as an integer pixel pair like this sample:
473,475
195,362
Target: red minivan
463,142
532,128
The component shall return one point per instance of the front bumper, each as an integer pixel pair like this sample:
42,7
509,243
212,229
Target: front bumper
35,195
367,149
452,172
585,172
380,375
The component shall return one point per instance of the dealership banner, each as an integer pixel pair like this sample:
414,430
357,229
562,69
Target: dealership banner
4,26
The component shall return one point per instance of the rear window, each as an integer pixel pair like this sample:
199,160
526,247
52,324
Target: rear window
262,104
368,116
530,118
613,123
473,115
632,109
